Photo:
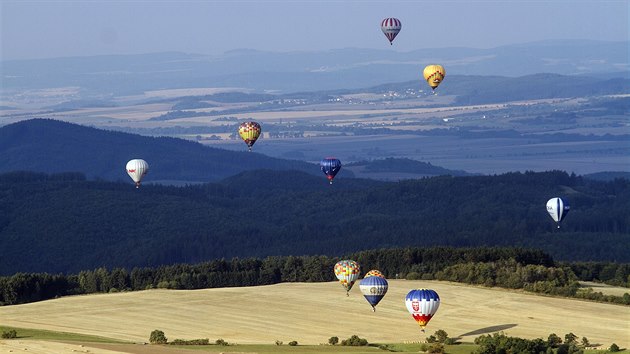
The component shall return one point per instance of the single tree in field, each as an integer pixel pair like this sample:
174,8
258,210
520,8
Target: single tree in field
157,337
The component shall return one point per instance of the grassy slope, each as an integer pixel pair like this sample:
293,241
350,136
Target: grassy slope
312,313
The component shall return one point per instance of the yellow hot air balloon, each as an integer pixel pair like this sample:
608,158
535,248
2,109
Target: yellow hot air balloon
434,74
249,132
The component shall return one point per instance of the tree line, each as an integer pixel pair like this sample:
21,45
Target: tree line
514,268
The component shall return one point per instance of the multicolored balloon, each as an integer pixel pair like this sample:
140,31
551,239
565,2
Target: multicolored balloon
558,209
374,289
249,132
347,271
137,169
391,27
422,304
330,166
434,74
374,273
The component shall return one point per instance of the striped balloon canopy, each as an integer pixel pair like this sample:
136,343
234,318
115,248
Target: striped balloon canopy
558,209
374,289
422,304
391,27
347,271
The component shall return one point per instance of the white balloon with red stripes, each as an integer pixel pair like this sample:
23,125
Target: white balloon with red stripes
391,26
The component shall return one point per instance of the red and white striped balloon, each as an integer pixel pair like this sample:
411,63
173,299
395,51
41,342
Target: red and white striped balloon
391,26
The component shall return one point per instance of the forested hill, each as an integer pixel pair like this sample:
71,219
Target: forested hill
65,223
52,146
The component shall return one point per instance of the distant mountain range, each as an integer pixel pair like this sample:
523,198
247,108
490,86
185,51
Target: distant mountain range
308,71
51,146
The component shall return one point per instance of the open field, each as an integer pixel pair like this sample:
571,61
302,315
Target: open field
310,313
605,288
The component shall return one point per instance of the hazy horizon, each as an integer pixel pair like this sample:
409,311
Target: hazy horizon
49,29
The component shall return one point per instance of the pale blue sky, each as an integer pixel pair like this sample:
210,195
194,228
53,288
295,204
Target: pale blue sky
39,29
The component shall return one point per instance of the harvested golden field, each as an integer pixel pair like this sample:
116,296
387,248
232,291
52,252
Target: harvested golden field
310,313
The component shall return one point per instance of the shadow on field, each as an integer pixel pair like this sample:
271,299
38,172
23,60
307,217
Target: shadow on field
490,329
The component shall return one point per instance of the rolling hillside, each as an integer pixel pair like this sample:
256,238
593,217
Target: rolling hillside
312,313
52,146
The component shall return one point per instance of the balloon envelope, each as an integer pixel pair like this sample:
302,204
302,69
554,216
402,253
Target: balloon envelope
374,289
249,132
434,74
374,273
422,304
391,27
137,169
347,271
330,166
557,209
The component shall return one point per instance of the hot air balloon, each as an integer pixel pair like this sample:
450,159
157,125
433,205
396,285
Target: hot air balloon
434,74
374,273
390,27
137,169
347,271
249,132
558,209
330,166
374,289
422,304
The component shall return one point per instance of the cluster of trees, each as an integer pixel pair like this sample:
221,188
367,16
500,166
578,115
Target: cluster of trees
292,343
406,165
158,337
532,270
617,274
510,274
9,334
501,343
353,341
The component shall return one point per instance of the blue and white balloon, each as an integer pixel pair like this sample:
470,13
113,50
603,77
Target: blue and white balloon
374,289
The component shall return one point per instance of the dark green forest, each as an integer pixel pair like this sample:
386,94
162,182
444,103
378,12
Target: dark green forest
513,268
67,223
